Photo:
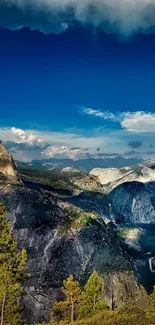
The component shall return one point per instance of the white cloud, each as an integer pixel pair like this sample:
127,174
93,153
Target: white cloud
135,122
125,16
63,152
32,144
35,144
21,137
106,115
138,122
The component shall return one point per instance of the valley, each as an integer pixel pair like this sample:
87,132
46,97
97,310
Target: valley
70,223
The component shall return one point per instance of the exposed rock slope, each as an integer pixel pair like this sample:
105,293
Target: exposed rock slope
112,177
60,243
7,165
133,202
57,249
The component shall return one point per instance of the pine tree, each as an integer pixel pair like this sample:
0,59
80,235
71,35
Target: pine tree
72,292
150,310
92,297
12,264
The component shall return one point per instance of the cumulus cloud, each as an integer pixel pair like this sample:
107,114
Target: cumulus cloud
138,122
125,16
21,137
27,145
134,122
63,152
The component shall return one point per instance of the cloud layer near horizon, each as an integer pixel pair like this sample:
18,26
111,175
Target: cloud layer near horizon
32,144
122,16
27,145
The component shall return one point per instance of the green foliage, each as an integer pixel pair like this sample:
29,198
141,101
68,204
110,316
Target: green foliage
78,305
124,233
75,219
67,309
47,177
12,264
150,310
131,315
92,310
92,295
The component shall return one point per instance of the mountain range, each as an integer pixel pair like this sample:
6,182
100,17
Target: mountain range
86,164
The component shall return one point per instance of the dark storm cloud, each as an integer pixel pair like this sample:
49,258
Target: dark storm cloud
15,147
135,144
119,16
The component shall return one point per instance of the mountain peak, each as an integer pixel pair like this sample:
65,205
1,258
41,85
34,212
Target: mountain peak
7,165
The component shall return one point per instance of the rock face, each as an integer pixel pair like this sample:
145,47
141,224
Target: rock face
87,182
112,177
7,165
134,202
56,250
107,175
60,243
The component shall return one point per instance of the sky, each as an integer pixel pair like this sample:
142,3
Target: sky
77,78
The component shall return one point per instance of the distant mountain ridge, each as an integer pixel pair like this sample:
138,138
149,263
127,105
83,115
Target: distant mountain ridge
85,165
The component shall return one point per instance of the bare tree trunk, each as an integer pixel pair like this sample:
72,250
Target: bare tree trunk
2,309
94,303
72,311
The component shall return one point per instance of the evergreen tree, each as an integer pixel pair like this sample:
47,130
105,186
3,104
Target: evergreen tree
12,263
92,297
150,310
66,308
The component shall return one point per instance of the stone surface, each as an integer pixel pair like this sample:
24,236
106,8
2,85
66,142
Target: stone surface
57,248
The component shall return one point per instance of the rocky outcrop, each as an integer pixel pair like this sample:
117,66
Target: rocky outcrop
107,175
133,202
87,182
7,165
113,177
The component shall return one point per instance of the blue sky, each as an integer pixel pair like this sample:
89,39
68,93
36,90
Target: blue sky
79,88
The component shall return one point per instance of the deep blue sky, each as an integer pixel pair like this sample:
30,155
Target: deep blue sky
45,77
67,82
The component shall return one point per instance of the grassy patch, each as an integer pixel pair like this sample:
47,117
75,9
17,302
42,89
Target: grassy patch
75,219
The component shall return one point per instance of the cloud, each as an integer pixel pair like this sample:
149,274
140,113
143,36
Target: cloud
106,115
27,145
122,16
131,153
134,122
135,144
63,152
21,137
138,122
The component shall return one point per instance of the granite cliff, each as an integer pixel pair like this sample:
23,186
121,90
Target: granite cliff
69,233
